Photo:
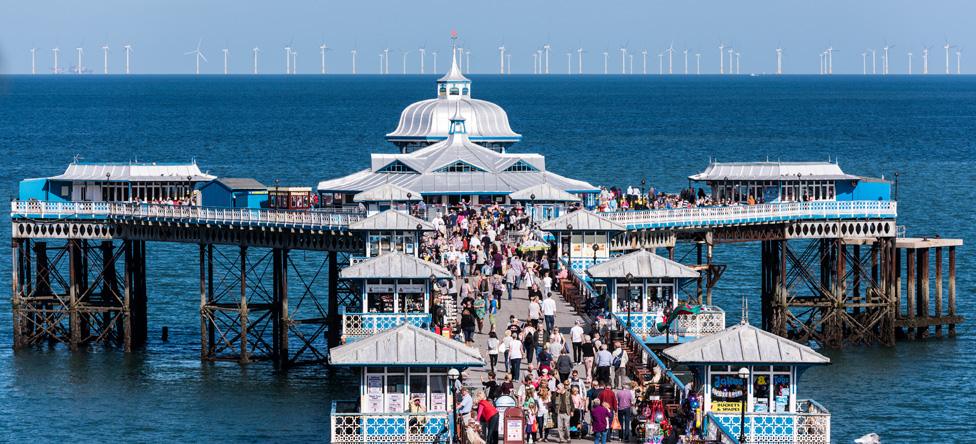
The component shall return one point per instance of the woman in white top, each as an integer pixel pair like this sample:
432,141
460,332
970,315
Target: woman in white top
515,353
505,346
535,310
493,344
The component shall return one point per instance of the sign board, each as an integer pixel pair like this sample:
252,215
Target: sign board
514,425
411,288
379,288
438,402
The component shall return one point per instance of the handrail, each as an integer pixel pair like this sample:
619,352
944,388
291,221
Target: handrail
647,350
725,432
710,215
189,213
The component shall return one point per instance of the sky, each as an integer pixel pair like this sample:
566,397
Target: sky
162,31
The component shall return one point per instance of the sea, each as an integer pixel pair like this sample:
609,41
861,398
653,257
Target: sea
609,130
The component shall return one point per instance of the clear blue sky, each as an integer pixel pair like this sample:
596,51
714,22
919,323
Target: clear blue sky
161,31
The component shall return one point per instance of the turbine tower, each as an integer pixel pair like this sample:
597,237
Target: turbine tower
721,58
779,61
909,63
830,60
197,55
225,51
386,60
737,66
630,59
884,58
606,58
925,60
423,55
660,63
670,52
294,61
730,59
33,52
623,60
864,62
546,48
255,50
128,50
644,56
322,49
353,52
56,51
288,59
535,62
697,63
79,68
874,61
958,61
569,62
467,62
579,57
947,55
434,53
501,59
508,63
686,61
104,59
405,62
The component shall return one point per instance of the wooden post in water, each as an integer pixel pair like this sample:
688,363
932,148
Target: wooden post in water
938,290
127,295
708,290
897,279
856,283
15,255
698,245
204,344
211,333
910,288
74,259
952,289
334,320
922,301
244,359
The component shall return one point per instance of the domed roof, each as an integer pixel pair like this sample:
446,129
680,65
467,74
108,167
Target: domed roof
429,121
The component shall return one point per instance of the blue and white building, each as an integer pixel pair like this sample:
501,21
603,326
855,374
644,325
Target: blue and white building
779,182
116,182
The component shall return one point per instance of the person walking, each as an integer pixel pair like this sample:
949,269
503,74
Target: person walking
576,337
625,403
589,356
549,312
510,279
600,417
488,418
564,365
619,366
565,410
493,345
515,352
604,360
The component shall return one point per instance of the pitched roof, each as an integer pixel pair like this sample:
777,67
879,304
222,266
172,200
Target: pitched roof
395,265
581,220
744,344
406,345
391,220
387,192
641,264
240,183
543,192
772,171
134,172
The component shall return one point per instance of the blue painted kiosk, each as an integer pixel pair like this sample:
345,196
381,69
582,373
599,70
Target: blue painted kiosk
544,202
746,363
117,182
644,288
228,192
404,392
391,231
583,238
779,182
396,289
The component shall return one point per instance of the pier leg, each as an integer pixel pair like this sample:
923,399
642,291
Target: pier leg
856,280
711,276
910,288
211,334
938,291
127,296
74,320
139,302
781,309
923,292
952,289
15,295
700,275
280,321
204,325
244,357
334,320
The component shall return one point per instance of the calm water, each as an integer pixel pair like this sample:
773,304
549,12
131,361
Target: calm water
612,130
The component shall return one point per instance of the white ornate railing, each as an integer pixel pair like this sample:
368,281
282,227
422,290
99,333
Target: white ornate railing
183,213
711,319
424,428
358,325
743,214
810,424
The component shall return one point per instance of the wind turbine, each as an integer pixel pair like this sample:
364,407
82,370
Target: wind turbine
644,56
686,61
884,64
535,62
670,52
779,61
288,59
864,62
958,60
386,60
467,62
737,66
623,60
546,48
56,51
225,51
874,61
423,55
606,58
830,60
294,61
630,58
405,62
322,49
925,60
255,51
698,63
80,67
909,63
579,56
104,59
823,57
569,62
501,59
381,63
128,50
508,63
660,63
730,59
33,52
434,53
198,55
721,58
947,55
353,52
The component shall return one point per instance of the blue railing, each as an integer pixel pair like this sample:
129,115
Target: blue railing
723,433
647,351
358,325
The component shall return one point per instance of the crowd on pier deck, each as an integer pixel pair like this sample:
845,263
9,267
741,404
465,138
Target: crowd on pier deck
634,198
570,380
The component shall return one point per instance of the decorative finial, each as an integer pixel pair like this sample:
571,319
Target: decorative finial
745,311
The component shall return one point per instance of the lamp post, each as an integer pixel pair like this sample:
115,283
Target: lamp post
417,248
643,184
896,186
596,247
409,196
453,375
277,197
630,278
744,375
532,199
108,186
569,227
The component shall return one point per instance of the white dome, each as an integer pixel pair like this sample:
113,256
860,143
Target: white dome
429,121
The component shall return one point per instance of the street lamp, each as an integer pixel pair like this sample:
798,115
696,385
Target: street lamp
744,375
643,184
189,188
108,186
420,227
453,375
277,197
532,198
409,205
896,186
570,260
630,278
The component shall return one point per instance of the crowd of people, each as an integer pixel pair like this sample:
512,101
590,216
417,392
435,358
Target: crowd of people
571,382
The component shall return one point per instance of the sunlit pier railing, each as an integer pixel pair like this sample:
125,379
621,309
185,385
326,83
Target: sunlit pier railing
182,213
753,214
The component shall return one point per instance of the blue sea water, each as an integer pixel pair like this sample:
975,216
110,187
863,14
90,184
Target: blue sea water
611,130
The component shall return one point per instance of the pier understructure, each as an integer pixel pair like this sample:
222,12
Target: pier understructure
834,282
268,290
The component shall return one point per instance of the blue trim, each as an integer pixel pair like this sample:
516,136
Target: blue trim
439,138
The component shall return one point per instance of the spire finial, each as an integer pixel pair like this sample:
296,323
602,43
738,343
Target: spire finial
745,311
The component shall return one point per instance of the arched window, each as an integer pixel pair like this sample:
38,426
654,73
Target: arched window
443,89
454,90
464,91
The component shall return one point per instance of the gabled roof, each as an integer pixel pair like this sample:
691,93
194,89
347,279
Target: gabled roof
641,264
744,344
772,171
395,265
134,172
387,192
581,220
239,184
391,220
543,192
406,345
